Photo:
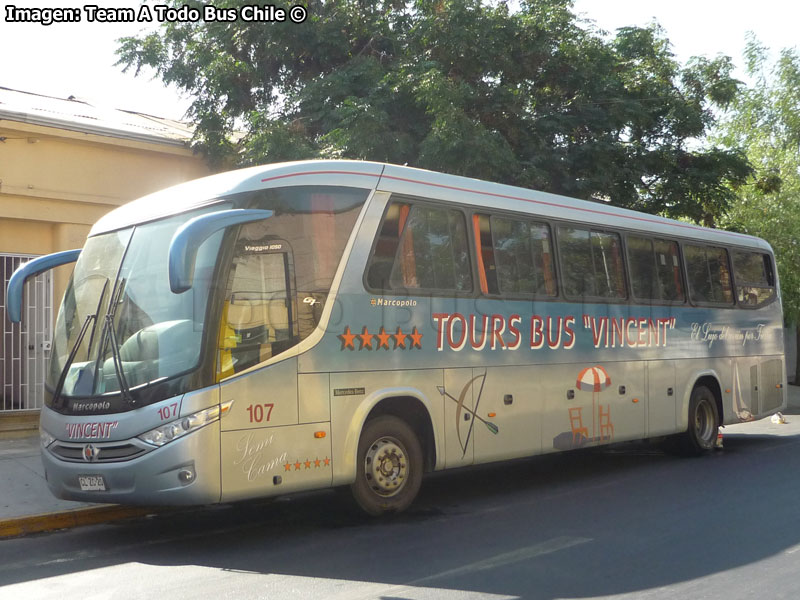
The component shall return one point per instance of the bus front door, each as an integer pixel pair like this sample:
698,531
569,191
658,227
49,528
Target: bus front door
265,448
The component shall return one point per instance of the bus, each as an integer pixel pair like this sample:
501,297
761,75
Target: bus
317,324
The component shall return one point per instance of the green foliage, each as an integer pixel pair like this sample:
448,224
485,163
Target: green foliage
463,86
765,120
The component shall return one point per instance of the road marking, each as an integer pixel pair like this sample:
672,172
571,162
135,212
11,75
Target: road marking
508,558
793,549
499,560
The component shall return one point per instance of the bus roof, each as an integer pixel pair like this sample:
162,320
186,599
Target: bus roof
406,181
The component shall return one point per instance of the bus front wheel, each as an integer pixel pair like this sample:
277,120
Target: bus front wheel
389,466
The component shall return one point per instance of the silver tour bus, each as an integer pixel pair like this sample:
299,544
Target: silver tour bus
328,323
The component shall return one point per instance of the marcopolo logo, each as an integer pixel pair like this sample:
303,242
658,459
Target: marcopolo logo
90,453
90,406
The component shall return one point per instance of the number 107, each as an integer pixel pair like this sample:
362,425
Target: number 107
257,412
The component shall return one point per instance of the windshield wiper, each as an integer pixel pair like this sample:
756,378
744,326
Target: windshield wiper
111,334
84,328
116,358
63,376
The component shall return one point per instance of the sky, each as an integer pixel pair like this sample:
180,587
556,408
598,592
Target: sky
77,59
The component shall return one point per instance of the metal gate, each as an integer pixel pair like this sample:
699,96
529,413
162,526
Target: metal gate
25,346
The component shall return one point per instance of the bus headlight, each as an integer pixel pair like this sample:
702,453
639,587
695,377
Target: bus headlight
45,438
163,434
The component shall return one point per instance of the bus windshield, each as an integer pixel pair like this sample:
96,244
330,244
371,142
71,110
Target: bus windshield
121,327
138,331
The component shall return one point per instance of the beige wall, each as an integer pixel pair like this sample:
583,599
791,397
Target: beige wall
55,183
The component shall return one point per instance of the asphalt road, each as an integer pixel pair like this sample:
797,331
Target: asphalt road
630,522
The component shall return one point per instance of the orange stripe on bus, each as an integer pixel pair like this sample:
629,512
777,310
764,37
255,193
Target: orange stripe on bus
476,226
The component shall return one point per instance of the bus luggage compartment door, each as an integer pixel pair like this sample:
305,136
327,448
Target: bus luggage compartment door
263,449
275,460
592,403
458,394
508,413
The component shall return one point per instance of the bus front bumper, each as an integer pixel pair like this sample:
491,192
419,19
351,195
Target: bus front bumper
185,471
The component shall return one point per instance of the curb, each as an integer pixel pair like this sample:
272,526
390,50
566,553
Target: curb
77,517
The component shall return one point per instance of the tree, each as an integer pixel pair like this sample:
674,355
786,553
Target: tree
526,97
765,120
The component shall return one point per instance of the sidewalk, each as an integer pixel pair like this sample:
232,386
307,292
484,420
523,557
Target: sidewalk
27,506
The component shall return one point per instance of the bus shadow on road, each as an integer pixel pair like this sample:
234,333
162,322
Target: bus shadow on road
610,521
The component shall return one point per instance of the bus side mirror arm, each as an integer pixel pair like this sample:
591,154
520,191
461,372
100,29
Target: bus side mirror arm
189,237
30,269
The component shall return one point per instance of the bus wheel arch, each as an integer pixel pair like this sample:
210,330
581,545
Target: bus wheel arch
395,446
712,383
414,412
704,417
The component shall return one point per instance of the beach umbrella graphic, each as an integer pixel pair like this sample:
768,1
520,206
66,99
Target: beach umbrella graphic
593,379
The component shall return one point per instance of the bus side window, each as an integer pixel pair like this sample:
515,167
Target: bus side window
642,264
383,256
591,262
421,247
708,274
434,242
655,269
668,267
524,257
755,280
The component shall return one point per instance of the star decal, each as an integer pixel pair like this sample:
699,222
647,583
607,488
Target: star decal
400,338
383,339
308,463
365,339
347,338
376,341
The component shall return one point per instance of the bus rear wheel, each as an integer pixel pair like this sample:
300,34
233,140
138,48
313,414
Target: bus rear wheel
389,466
701,435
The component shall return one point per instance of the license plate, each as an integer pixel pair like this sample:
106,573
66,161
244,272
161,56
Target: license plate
92,483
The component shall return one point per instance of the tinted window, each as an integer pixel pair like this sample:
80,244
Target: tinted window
708,274
282,270
258,320
524,257
755,281
642,264
591,262
655,269
421,247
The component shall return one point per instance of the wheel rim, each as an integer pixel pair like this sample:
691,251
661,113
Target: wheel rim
386,466
704,422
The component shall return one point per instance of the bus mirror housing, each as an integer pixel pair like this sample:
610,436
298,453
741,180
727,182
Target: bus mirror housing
31,269
188,238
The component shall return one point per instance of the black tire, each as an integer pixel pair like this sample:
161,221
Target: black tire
388,467
701,435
